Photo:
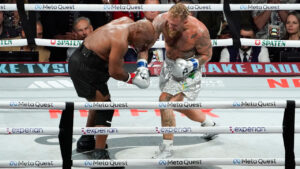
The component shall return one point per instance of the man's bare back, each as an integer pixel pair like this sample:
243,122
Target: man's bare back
192,39
102,39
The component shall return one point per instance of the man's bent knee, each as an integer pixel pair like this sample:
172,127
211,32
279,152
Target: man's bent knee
169,97
164,97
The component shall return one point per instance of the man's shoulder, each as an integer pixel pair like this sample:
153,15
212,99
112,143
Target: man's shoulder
197,23
121,20
162,17
164,14
119,42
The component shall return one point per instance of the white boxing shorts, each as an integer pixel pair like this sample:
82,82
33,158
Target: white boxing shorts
189,86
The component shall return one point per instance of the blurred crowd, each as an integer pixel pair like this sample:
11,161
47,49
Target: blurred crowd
259,24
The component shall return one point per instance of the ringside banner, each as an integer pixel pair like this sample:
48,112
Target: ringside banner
210,69
243,69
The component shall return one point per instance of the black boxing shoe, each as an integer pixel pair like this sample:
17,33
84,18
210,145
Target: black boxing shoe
85,143
102,154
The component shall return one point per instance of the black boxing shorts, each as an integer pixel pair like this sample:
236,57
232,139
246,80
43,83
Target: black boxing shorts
88,72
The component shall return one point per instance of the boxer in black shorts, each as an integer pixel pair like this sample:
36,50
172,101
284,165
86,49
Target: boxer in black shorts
101,57
89,73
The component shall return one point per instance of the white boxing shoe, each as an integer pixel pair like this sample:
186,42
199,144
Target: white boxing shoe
209,136
165,151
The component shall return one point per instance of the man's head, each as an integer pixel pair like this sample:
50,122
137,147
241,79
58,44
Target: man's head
82,27
150,15
176,18
39,30
193,13
247,31
141,35
225,33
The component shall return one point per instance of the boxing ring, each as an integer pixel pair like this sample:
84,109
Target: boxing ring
43,117
247,134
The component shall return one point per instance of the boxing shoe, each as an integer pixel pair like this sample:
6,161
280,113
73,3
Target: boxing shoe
86,143
102,154
165,150
209,136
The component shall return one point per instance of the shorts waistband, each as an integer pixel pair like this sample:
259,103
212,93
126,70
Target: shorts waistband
85,51
90,54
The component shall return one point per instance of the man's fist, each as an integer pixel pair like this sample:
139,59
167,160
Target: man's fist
140,77
182,67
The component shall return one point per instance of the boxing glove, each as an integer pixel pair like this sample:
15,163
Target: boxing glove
140,77
182,67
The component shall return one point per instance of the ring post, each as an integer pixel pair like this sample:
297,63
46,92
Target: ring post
288,133
66,134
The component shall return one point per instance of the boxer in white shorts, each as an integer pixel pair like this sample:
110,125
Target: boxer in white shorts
188,47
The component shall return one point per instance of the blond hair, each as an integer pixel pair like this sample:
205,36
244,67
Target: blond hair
179,10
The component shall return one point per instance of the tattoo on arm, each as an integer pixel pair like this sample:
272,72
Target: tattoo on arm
204,47
194,35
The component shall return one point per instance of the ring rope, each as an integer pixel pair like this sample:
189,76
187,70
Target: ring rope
146,7
158,44
148,162
146,130
253,104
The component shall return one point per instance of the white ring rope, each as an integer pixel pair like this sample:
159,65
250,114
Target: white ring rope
158,44
249,104
146,7
145,130
32,105
183,162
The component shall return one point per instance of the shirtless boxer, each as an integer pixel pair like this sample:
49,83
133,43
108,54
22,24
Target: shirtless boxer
100,57
188,47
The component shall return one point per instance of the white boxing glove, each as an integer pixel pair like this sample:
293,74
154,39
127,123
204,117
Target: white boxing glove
140,77
182,67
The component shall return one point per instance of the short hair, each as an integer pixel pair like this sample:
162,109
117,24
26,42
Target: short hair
145,27
179,10
247,27
186,1
80,19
